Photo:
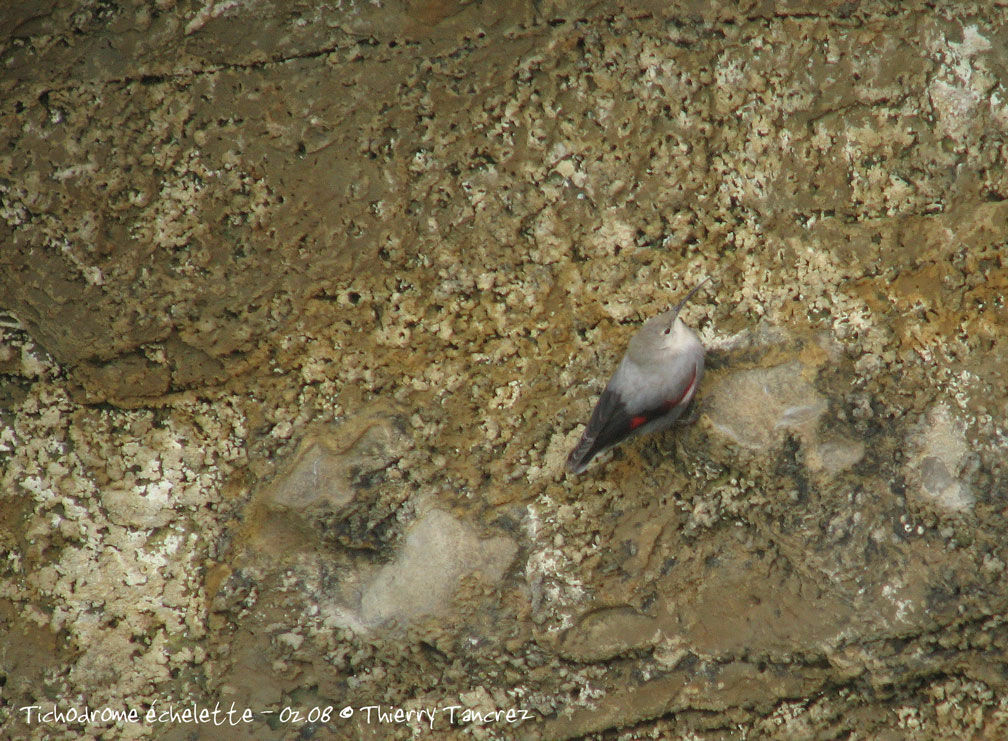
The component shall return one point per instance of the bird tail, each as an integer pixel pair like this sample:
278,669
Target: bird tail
582,454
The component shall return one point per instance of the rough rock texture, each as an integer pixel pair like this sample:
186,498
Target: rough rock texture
303,306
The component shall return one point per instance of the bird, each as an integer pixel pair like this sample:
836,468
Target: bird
651,388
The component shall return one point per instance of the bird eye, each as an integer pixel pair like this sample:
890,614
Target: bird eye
668,330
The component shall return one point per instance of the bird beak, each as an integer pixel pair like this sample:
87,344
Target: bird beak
687,298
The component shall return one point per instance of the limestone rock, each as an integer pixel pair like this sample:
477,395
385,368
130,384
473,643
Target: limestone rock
330,464
754,408
938,461
249,222
342,484
609,632
437,552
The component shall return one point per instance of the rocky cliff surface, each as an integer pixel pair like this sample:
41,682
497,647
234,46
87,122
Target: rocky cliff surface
304,306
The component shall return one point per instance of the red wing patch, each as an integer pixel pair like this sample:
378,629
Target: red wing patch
637,421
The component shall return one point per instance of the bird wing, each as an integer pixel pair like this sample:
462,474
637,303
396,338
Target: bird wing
605,428
612,421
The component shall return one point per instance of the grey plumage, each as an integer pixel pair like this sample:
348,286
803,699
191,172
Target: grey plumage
652,386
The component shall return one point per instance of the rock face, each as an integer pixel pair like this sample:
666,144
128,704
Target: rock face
756,408
939,454
300,313
437,552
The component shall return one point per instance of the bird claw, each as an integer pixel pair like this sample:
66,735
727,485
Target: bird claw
692,418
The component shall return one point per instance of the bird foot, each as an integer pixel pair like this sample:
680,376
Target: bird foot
693,417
